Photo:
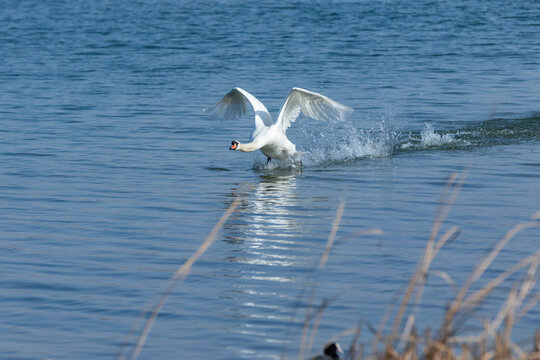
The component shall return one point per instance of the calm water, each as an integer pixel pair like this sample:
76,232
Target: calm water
111,174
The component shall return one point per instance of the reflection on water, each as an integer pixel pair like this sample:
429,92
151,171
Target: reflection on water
268,256
267,223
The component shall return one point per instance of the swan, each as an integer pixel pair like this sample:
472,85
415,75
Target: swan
270,137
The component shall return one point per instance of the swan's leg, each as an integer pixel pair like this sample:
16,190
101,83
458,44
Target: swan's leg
267,161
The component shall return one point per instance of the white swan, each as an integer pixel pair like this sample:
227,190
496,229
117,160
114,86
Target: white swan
269,137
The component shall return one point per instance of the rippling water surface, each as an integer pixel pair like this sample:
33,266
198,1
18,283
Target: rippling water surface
112,175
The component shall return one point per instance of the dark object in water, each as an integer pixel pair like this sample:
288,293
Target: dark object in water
331,351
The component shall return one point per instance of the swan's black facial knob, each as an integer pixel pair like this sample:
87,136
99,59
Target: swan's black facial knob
234,145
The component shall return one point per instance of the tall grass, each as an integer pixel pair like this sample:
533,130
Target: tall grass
402,341
180,275
494,341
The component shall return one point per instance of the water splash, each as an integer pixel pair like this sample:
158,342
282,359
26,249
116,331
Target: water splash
491,132
429,138
327,143
343,142
284,167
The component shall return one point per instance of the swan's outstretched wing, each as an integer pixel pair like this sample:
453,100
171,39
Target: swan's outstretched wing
312,104
233,106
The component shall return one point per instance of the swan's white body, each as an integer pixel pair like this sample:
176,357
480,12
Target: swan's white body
270,137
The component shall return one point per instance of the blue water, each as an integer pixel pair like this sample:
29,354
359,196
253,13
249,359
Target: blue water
112,175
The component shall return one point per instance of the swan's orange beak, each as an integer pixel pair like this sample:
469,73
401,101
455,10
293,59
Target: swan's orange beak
234,145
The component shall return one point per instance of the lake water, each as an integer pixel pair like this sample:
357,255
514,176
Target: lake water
112,175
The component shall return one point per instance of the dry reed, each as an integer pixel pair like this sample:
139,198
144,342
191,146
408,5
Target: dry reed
403,342
311,322
494,341
180,274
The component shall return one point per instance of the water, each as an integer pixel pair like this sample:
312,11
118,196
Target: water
112,175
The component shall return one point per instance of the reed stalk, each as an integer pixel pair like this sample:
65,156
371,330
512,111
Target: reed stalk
494,341
179,275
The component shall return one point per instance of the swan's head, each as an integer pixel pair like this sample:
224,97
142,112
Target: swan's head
234,145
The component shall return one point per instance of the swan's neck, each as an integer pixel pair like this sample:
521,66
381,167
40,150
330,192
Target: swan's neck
251,146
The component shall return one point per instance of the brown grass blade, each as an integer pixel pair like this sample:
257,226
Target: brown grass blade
479,295
322,262
180,275
457,303
450,194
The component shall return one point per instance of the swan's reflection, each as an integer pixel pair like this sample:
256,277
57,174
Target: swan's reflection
264,257
268,257
267,223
